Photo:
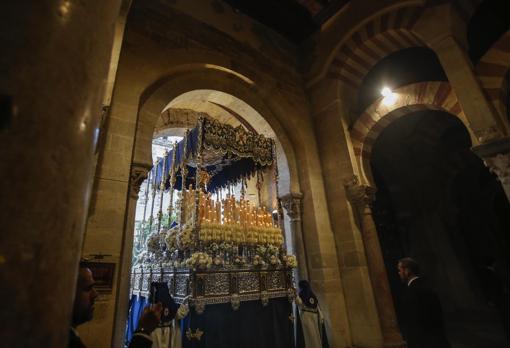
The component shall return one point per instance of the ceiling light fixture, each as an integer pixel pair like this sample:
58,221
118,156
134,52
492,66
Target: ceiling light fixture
386,92
389,97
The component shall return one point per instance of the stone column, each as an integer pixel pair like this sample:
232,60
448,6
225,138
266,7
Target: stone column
292,205
483,121
361,198
54,60
496,156
138,175
443,28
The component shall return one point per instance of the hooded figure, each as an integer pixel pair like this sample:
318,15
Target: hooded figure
311,332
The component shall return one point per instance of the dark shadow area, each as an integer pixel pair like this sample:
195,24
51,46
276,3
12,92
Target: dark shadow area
438,203
490,20
294,20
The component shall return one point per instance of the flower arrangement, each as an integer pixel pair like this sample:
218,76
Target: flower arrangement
171,239
239,260
290,261
184,238
218,261
261,250
213,248
154,243
258,261
272,250
199,260
227,247
274,261
269,254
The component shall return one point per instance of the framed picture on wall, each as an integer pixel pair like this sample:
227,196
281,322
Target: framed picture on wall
103,273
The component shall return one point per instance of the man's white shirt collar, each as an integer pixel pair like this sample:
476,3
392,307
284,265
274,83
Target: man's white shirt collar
411,280
75,332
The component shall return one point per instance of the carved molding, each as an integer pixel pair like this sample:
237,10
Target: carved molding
292,205
487,135
496,156
500,165
178,118
138,175
359,195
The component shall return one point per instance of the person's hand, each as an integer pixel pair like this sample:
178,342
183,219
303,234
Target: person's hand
150,318
182,311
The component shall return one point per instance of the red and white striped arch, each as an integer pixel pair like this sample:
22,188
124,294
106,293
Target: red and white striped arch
492,69
409,99
380,37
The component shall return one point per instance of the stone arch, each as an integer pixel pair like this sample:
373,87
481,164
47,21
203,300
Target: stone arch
192,77
381,36
409,99
493,69
174,119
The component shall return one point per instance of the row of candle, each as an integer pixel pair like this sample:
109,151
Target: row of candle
249,235
232,211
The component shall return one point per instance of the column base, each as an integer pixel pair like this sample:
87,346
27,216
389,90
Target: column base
393,339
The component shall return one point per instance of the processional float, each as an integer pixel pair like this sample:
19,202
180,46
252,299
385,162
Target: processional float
216,248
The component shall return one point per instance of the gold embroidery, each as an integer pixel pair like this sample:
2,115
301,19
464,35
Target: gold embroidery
196,335
226,140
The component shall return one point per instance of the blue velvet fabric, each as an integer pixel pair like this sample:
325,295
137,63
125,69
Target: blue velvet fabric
251,326
221,175
137,304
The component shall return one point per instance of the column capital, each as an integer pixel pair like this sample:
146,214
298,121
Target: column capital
138,175
292,204
496,156
487,136
358,195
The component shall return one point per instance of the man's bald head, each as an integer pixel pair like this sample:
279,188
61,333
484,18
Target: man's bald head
85,296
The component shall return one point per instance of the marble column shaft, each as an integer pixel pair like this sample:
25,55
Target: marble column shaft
139,173
292,205
54,61
483,121
361,198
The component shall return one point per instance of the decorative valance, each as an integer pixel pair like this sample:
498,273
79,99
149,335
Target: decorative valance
226,153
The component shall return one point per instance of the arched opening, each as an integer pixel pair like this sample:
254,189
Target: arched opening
399,69
260,187
182,113
438,203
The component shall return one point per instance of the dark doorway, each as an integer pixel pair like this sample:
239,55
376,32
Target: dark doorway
438,203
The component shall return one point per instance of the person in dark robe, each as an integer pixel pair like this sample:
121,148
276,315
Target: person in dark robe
149,321
422,324
311,332
168,331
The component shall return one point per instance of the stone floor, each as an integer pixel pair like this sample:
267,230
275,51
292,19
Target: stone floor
481,330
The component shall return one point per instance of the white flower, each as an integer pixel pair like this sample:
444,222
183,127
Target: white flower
290,261
199,260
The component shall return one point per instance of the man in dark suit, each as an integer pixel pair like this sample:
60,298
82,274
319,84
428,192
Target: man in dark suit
83,310
83,307
422,315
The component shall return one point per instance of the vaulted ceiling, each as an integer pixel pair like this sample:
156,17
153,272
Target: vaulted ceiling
293,19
